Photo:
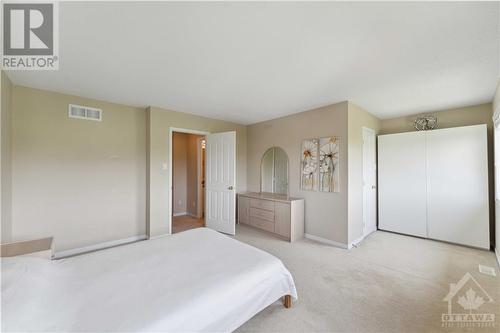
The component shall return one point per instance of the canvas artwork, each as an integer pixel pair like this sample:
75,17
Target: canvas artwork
309,165
329,164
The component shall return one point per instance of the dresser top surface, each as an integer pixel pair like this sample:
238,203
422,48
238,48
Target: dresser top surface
269,196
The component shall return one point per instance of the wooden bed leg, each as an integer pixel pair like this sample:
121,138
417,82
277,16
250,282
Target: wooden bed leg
287,302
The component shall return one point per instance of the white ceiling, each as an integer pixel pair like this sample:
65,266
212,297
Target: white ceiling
249,62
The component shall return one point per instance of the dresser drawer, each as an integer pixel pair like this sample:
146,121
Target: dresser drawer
262,224
243,210
262,214
276,214
262,204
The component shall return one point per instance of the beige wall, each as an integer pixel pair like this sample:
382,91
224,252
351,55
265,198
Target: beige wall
6,161
180,175
496,99
471,115
83,182
357,119
339,216
160,120
87,182
325,213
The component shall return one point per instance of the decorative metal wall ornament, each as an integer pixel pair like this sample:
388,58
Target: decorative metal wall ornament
425,123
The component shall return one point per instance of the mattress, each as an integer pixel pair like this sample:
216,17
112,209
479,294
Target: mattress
197,280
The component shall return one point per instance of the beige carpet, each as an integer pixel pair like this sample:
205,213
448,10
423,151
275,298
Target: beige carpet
390,283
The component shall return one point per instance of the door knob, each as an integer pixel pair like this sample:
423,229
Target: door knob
374,187
230,188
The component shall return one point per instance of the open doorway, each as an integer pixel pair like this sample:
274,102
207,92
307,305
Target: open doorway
188,181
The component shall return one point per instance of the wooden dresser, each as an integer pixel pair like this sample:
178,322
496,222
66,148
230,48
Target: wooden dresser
281,215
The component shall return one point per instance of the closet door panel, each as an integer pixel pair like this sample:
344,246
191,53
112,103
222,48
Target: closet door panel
402,183
457,169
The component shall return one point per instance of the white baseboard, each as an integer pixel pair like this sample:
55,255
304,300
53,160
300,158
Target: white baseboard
497,253
361,238
159,236
356,242
95,247
179,214
326,241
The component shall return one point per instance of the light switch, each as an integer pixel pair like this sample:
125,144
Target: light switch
164,166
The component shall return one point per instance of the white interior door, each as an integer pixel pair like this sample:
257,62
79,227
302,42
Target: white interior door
402,189
369,182
220,182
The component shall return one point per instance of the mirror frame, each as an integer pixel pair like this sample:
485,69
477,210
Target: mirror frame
287,194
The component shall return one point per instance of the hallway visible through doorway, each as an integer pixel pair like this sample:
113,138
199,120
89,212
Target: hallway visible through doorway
188,181
186,222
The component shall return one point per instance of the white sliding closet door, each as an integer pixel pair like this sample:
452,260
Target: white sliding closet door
457,185
401,183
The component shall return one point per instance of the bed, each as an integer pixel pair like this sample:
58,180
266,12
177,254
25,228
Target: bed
194,281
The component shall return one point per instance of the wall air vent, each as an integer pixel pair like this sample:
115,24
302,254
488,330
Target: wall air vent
487,270
84,112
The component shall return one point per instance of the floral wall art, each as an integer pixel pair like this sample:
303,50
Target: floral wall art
309,165
320,164
328,164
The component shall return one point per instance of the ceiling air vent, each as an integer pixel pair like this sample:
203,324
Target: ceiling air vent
84,112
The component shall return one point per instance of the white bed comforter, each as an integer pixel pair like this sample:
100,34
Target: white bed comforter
198,280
